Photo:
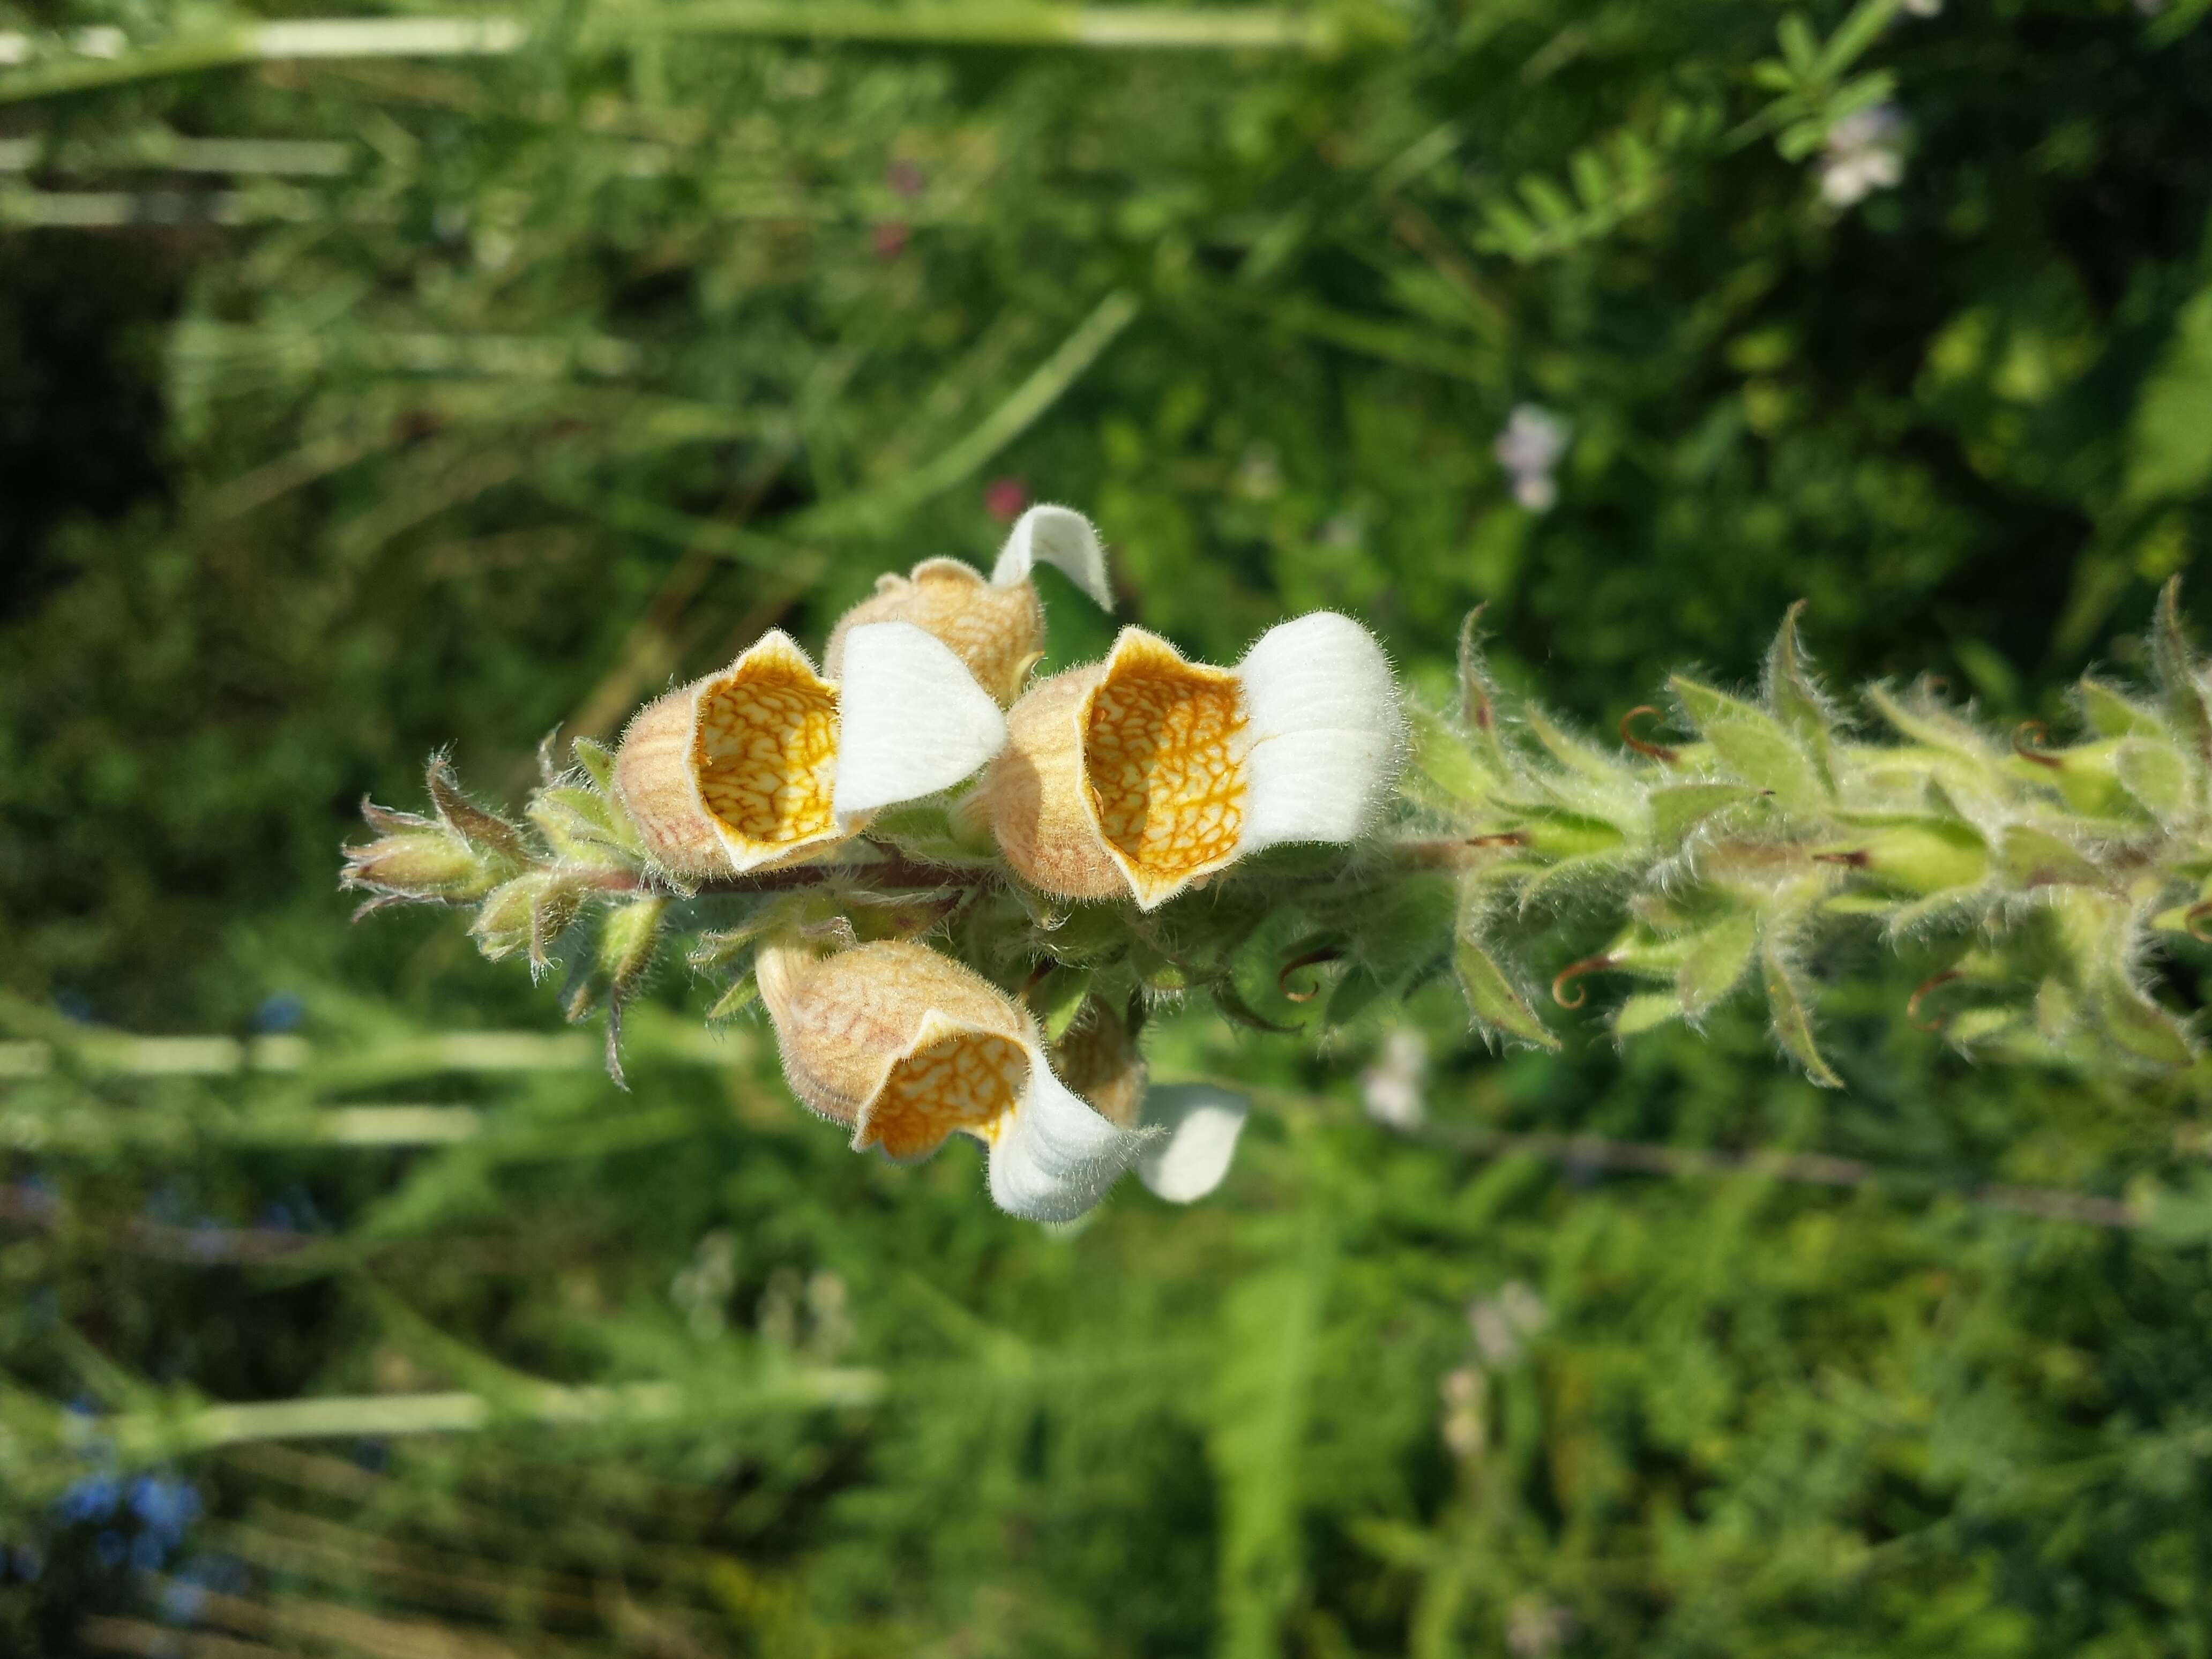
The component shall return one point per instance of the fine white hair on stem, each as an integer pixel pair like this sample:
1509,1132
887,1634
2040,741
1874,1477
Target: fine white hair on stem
912,719
1325,731
1063,538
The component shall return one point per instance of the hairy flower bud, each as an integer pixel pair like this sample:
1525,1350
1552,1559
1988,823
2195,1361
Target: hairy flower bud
428,863
996,628
1144,773
907,1048
767,763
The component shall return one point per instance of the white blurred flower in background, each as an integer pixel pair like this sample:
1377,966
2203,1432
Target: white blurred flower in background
1865,154
1530,448
1392,1087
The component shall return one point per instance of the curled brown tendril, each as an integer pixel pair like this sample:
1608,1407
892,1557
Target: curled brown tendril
1658,751
1573,971
1920,993
2193,921
2037,733
1311,959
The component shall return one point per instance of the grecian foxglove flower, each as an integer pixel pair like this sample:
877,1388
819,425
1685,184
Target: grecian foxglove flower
770,763
995,626
907,1048
1144,773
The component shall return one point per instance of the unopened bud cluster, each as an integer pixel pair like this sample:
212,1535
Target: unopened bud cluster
959,891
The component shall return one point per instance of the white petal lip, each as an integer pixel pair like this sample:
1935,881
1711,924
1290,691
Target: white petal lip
1324,729
912,719
1053,1158
1060,537
1198,1125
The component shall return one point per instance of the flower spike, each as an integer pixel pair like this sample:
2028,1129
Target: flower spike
907,1048
1143,774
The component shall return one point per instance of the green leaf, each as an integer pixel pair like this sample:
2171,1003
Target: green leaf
1494,999
2156,774
1571,752
1717,959
1787,1012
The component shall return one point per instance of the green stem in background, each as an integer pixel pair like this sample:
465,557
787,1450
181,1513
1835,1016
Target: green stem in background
150,1434
103,58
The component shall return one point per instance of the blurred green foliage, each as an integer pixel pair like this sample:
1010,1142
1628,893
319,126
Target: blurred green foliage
589,361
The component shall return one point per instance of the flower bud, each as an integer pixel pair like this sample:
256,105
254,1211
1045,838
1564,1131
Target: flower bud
907,1048
767,763
1145,774
427,863
996,628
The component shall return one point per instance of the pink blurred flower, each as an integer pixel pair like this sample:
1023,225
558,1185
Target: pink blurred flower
905,179
1004,498
890,240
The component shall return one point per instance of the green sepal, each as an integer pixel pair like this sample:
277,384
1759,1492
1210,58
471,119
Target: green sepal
743,992
481,828
1493,999
928,831
1479,697
1932,728
2036,858
2111,714
1440,756
2158,776
2173,666
1572,752
1788,1016
597,762
628,938
1798,701
1678,808
1753,744
2132,1023
1643,1011
1057,998
1715,963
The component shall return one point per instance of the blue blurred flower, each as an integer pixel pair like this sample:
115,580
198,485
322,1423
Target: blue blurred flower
279,1013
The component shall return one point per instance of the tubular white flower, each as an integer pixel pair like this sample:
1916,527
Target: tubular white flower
1145,774
913,719
995,626
1198,1127
908,1048
769,763
1060,537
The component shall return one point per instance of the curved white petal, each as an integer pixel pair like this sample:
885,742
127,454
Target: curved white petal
1052,1157
911,720
1324,730
1060,537
1198,1127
